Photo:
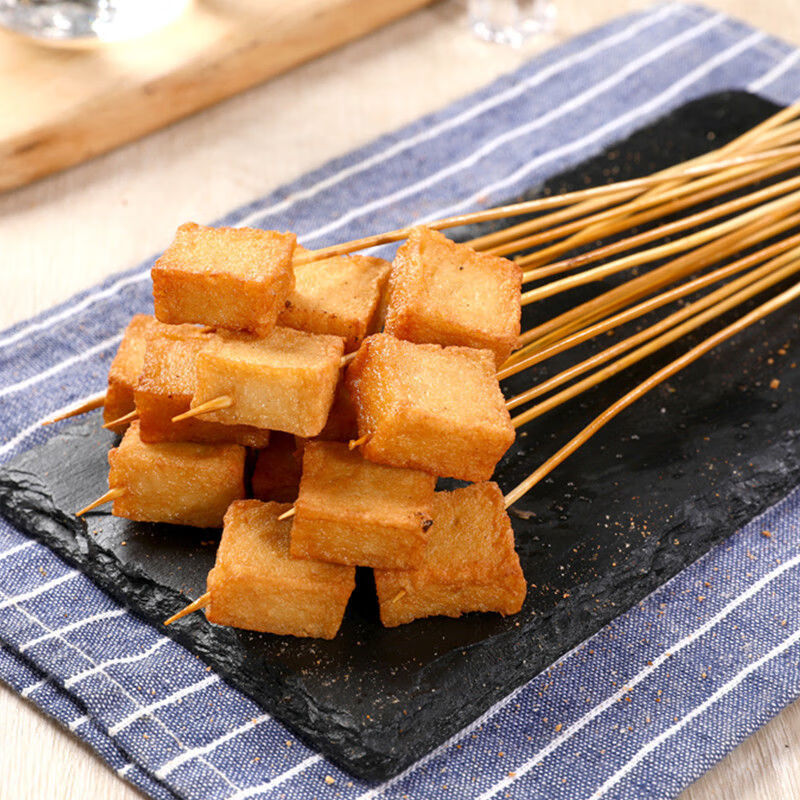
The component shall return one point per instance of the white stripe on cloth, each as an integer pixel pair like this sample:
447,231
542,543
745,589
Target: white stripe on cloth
501,98
629,684
35,426
243,794
779,69
630,116
125,693
175,697
77,722
117,612
29,690
574,103
103,665
17,549
695,712
188,755
61,365
45,587
431,133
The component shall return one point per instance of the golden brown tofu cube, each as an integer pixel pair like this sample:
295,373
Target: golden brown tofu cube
178,482
125,370
284,382
234,278
338,296
276,475
256,585
469,563
447,293
166,387
352,511
428,407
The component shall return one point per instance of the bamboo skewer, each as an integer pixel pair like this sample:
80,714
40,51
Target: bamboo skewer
614,321
201,602
650,383
613,299
790,202
123,420
111,494
95,401
288,513
215,404
667,229
543,203
718,308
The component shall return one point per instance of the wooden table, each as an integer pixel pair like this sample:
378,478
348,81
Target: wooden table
69,231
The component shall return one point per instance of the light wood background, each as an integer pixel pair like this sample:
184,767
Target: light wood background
70,230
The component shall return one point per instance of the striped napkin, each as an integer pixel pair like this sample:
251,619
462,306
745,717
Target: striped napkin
637,711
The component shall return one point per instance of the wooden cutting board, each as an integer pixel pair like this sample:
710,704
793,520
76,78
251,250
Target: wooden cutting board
61,107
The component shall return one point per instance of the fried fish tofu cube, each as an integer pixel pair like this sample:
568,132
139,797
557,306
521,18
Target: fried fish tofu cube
352,511
234,278
446,293
167,385
338,295
256,585
438,409
284,382
342,424
469,563
179,482
276,475
125,370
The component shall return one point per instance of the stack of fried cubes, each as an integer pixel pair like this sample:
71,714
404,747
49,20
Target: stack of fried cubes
239,324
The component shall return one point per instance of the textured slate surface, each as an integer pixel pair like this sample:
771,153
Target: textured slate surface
656,489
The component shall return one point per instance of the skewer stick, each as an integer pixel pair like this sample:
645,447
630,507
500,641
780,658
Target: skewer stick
714,232
590,229
201,602
289,513
123,420
655,344
215,404
650,383
353,443
612,322
620,296
541,203
670,228
111,494
95,401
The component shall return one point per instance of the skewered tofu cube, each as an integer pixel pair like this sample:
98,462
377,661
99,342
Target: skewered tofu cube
166,387
339,296
447,293
178,482
351,511
285,381
428,407
469,563
276,475
256,585
235,278
125,370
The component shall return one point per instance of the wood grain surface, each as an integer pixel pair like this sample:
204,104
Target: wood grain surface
69,105
70,230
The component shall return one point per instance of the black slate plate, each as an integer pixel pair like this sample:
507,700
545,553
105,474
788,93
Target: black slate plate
674,475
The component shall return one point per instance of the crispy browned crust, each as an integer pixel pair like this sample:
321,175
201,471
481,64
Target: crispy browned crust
352,511
446,293
469,564
430,408
256,585
233,278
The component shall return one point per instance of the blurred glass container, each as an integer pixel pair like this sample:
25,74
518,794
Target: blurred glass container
511,21
81,22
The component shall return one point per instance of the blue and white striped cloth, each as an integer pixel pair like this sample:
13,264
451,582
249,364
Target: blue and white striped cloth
637,711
